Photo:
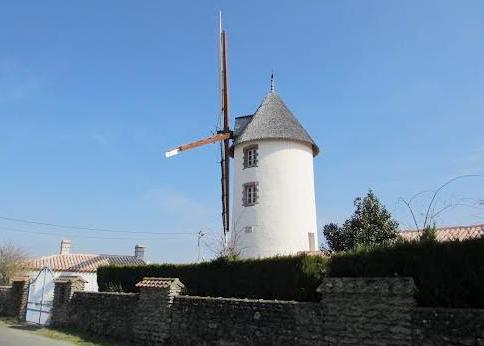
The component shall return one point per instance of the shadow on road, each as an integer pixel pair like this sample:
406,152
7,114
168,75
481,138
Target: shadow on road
29,327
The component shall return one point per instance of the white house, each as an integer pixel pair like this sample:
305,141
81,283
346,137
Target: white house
43,272
83,265
274,207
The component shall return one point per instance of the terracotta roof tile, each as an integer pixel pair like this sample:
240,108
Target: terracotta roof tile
159,283
449,233
81,262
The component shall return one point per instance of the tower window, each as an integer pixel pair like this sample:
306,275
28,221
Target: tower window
250,194
250,156
249,229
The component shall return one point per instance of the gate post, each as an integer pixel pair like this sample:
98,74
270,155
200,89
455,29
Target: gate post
153,319
367,311
64,289
19,293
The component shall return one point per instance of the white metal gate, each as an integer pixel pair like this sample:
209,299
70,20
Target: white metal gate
41,297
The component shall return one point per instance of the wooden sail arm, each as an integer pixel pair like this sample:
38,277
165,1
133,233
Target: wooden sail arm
221,136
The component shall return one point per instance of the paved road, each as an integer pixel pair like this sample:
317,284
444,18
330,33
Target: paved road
11,336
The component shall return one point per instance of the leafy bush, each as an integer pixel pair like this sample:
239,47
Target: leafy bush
370,225
284,278
449,274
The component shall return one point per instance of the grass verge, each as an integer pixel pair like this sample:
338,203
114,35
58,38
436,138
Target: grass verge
72,336
78,338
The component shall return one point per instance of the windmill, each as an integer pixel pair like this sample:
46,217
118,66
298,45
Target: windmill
223,136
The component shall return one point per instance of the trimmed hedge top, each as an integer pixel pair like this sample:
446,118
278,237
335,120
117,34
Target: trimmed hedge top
447,274
283,278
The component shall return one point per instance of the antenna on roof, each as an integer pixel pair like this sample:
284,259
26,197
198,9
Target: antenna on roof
272,81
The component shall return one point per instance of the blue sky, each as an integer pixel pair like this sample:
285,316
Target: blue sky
92,93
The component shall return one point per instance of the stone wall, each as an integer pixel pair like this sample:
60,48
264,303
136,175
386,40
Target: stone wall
106,314
367,311
4,298
448,327
13,299
353,311
109,314
153,319
227,321
64,289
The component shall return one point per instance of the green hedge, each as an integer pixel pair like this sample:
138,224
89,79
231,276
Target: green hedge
449,274
283,278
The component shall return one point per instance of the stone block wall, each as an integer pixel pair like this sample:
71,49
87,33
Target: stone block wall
353,311
228,321
367,311
448,327
153,318
16,298
64,289
4,298
108,314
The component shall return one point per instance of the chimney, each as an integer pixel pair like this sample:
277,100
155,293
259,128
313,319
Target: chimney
139,251
65,247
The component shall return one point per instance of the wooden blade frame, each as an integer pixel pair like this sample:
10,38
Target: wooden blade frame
223,136
225,149
212,139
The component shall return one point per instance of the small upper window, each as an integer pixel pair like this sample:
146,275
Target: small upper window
250,156
250,196
249,229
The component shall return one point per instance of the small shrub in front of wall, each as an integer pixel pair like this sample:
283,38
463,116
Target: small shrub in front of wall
283,278
448,274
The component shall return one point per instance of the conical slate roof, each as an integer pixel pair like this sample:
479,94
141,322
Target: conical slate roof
272,120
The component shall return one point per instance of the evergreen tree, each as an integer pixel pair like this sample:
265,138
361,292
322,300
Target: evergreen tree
370,225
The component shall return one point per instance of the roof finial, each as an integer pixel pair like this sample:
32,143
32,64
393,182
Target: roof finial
272,81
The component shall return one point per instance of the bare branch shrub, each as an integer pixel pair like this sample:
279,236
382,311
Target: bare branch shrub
230,249
435,207
12,262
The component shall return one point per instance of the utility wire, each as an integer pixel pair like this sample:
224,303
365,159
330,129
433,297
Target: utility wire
79,236
90,228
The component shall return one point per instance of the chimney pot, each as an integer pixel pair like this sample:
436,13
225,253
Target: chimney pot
139,251
65,247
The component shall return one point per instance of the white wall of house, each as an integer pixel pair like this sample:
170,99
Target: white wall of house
91,278
285,213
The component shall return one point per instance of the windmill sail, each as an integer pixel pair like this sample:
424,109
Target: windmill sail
225,145
223,135
212,139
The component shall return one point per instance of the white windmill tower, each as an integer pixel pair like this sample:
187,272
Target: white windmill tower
273,201
274,207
